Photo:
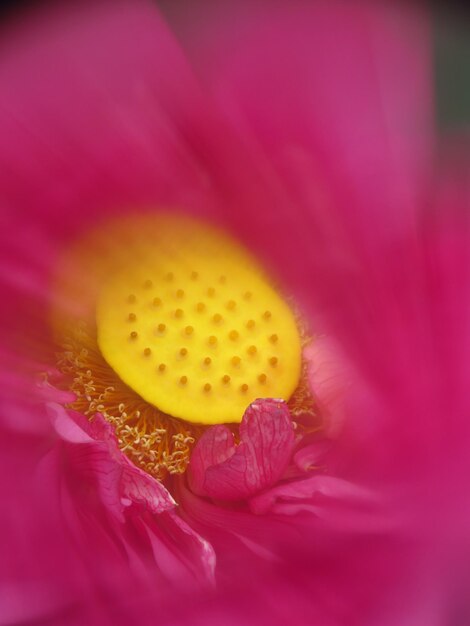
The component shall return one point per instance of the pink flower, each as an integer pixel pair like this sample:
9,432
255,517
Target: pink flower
306,131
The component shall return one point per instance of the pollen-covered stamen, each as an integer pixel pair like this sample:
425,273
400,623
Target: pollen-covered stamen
156,442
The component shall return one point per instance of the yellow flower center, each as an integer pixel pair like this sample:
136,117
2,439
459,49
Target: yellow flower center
189,321
166,325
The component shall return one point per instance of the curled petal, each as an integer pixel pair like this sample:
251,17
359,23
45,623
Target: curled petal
141,489
120,482
219,469
181,553
52,394
68,428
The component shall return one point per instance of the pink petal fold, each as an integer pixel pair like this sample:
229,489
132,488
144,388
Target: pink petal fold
222,470
121,483
340,503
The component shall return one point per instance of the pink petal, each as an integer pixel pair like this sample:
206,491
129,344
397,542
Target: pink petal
121,483
327,486
179,551
311,455
375,55
340,503
144,491
329,377
219,469
93,113
66,427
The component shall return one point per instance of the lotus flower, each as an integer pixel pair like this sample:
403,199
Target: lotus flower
279,161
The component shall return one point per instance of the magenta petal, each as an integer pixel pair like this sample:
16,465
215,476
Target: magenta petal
179,551
339,503
142,489
219,469
330,376
327,486
66,427
121,484
308,457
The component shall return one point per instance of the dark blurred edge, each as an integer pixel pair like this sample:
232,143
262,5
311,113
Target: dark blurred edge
8,7
452,65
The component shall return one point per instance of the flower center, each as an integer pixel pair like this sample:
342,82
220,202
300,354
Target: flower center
190,322
165,326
